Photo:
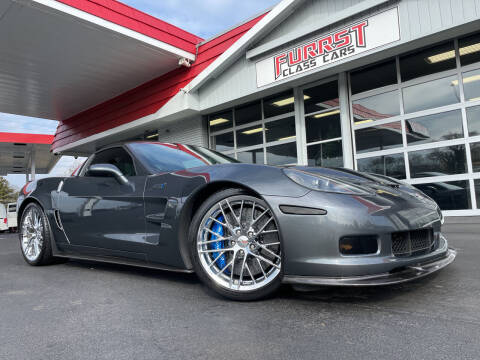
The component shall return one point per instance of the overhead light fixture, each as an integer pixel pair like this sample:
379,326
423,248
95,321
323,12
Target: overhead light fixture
474,99
152,136
288,101
470,49
363,121
467,80
253,131
287,138
325,114
218,121
447,55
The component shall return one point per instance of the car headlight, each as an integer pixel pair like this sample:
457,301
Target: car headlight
322,183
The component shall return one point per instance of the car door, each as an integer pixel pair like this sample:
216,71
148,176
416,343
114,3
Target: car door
99,212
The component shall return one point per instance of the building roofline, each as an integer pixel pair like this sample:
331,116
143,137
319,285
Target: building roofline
250,18
275,16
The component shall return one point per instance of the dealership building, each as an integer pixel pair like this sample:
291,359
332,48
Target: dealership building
389,87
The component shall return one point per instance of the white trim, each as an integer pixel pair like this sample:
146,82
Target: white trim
317,26
284,7
116,28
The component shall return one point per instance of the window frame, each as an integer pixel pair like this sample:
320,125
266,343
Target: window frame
139,169
263,122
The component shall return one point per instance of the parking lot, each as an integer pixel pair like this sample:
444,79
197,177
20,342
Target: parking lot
85,310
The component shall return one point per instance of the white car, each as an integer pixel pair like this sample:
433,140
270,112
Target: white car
3,218
12,216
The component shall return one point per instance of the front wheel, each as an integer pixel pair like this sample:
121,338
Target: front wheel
236,245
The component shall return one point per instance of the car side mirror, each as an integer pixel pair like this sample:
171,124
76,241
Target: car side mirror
107,170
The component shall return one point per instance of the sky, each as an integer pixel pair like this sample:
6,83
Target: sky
204,18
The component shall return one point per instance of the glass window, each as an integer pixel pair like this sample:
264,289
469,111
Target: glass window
278,104
471,85
279,130
428,61
475,151
451,195
250,136
328,154
469,48
380,137
376,107
437,162
473,118
223,142
323,126
116,156
248,113
373,77
443,126
431,94
321,97
251,156
388,165
282,154
220,121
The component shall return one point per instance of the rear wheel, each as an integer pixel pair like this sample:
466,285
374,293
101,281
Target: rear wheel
236,245
35,236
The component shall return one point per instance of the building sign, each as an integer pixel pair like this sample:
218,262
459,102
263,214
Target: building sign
362,36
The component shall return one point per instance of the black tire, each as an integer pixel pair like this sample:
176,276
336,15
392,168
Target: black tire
256,294
45,257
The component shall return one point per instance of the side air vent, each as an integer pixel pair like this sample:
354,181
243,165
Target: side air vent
58,221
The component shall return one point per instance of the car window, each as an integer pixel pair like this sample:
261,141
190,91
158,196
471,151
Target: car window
118,157
162,157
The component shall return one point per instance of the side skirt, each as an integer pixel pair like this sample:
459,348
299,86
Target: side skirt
113,260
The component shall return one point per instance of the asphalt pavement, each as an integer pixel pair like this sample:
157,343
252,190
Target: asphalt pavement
85,310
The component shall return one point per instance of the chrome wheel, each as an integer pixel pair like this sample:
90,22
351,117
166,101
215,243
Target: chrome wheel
32,234
238,244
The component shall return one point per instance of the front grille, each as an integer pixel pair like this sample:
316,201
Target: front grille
414,242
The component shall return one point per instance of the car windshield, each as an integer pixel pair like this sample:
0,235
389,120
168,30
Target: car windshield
163,157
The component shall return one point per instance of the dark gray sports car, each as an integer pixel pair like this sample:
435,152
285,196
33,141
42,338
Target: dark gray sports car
243,229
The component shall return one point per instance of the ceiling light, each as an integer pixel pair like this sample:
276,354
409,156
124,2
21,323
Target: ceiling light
218,121
440,57
474,99
253,131
288,101
363,121
470,49
152,136
318,116
472,78
287,138
466,50
467,80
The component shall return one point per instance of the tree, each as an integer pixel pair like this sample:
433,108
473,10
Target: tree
7,193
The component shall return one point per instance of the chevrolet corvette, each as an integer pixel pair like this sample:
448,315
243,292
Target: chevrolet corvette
244,229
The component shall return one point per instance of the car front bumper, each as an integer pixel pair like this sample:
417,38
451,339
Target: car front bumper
311,242
408,273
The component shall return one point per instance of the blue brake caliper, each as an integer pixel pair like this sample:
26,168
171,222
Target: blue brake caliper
218,229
